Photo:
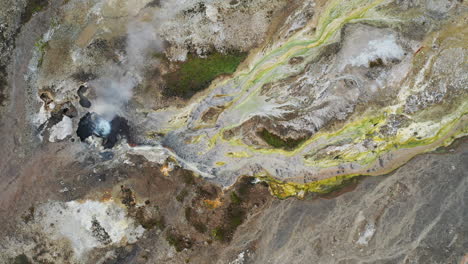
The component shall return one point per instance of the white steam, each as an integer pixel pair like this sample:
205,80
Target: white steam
144,30
142,42
115,88
101,127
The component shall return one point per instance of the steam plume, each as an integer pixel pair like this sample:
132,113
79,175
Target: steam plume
114,88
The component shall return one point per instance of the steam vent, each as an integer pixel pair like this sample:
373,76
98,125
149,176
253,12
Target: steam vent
233,131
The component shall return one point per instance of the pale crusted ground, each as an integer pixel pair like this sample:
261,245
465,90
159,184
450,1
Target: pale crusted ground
364,85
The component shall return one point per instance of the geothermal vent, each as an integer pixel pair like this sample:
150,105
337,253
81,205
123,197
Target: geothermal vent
93,124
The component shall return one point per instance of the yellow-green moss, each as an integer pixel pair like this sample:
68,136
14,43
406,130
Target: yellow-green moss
41,46
283,190
240,154
278,142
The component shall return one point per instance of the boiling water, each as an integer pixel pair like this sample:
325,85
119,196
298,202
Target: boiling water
101,127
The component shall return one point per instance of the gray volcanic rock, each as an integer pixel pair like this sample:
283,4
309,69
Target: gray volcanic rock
414,215
242,131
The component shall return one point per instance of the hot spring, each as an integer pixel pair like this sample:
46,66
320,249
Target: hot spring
92,124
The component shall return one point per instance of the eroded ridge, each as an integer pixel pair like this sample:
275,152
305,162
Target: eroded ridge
359,89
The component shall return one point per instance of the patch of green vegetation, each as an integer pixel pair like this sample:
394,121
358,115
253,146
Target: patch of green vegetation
196,73
127,197
207,192
235,199
54,23
200,227
41,45
154,222
345,182
187,177
188,213
3,84
219,233
160,223
21,259
181,196
278,142
29,216
149,222
235,217
159,55
178,241
32,7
